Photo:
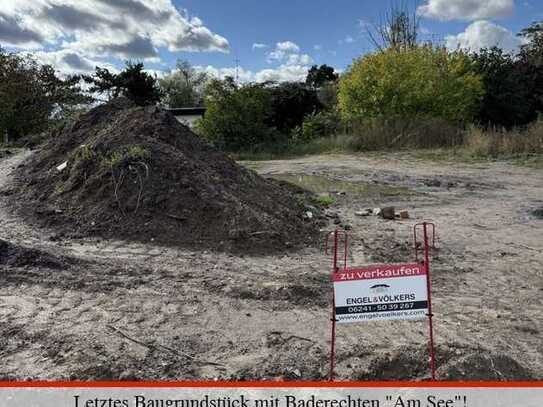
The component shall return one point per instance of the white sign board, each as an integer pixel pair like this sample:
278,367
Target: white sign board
382,292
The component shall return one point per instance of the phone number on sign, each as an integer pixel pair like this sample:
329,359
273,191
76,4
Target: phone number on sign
381,307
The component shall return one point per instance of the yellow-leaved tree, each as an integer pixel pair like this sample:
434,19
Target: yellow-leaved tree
421,81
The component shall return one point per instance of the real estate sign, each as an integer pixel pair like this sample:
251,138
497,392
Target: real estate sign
381,292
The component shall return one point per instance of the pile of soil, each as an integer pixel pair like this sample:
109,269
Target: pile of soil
453,361
135,173
13,255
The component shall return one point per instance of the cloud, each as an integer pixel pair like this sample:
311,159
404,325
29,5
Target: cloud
69,62
317,47
282,50
287,46
466,9
120,28
298,59
288,53
282,73
258,45
221,73
484,34
347,40
136,47
13,33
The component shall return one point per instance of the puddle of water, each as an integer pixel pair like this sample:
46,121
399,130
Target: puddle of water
538,213
321,184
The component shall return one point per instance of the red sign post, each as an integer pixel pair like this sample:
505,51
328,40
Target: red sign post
382,292
424,226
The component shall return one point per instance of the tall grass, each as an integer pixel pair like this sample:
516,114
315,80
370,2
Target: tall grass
401,133
421,134
497,142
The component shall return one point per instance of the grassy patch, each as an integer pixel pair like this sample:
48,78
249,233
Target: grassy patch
333,144
324,200
130,154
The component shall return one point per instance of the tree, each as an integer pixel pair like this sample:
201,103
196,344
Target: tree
398,29
104,81
237,117
184,87
327,95
32,96
291,102
530,60
317,76
133,82
422,81
507,99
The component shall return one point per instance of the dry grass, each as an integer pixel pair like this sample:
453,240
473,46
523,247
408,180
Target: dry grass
398,133
495,142
426,137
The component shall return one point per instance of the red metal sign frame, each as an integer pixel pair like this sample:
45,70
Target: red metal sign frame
337,234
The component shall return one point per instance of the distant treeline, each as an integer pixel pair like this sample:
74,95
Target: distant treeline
404,94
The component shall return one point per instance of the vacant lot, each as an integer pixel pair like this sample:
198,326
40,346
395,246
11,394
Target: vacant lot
96,309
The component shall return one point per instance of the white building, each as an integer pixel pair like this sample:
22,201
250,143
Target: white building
187,115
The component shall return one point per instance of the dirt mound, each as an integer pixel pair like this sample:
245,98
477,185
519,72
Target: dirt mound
136,173
18,256
485,366
453,362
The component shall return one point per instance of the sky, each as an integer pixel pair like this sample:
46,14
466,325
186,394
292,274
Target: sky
264,39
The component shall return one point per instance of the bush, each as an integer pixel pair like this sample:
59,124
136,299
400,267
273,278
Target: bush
317,125
253,117
237,117
291,103
420,81
327,95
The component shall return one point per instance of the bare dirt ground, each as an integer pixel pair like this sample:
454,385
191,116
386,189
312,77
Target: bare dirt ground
97,309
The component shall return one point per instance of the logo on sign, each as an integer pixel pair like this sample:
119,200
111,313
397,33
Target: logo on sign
379,288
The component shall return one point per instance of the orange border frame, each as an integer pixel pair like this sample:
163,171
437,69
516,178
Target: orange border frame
270,384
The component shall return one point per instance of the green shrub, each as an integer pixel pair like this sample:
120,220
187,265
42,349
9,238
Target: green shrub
237,117
291,102
317,125
324,200
421,81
